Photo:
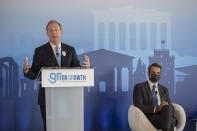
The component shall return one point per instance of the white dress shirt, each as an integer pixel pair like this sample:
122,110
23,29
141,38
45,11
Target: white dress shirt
156,89
54,48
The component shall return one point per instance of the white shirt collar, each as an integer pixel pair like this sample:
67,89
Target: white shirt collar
151,85
54,48
53,45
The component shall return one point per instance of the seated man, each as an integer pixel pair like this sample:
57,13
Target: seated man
153,99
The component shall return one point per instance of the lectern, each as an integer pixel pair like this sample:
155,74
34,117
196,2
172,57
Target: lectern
65,97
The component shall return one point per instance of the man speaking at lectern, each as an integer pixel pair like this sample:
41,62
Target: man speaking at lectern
52,54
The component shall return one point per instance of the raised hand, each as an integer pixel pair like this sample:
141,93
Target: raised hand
26,66
86,61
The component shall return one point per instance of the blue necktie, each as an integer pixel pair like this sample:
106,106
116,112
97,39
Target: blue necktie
58,55
154,95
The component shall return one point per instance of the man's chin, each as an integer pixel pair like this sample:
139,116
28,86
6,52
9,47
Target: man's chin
55,42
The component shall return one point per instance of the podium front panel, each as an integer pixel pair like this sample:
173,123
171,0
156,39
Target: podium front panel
65,109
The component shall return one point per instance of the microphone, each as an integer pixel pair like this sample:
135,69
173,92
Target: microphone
167,99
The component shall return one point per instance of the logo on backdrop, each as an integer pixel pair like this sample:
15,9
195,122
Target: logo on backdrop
54,77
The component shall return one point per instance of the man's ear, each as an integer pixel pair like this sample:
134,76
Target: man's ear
148,73
47,33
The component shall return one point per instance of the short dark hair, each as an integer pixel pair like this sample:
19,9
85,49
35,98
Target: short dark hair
53,21
155,65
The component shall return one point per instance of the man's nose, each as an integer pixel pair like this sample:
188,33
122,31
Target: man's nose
53,32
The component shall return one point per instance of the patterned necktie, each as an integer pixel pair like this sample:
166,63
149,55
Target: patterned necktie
154,95
58,55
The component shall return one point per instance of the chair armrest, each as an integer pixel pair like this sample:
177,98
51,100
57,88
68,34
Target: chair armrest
138,121
180,116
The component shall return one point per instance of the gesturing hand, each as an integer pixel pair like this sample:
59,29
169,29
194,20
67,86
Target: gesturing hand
26,65
86,61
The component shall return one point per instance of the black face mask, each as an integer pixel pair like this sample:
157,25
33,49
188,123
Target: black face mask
155,78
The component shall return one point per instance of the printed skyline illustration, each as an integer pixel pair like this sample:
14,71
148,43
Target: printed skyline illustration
114,82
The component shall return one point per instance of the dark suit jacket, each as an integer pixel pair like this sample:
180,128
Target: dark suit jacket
44,57
142,97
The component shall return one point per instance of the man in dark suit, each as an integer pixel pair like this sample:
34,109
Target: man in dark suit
52,54
153,99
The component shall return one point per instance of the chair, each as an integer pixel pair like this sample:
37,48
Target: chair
139,122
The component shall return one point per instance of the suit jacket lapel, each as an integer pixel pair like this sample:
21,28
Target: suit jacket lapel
52,55
147,87
161,93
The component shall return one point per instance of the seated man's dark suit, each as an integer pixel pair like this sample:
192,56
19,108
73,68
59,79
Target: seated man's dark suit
142,98
45,57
